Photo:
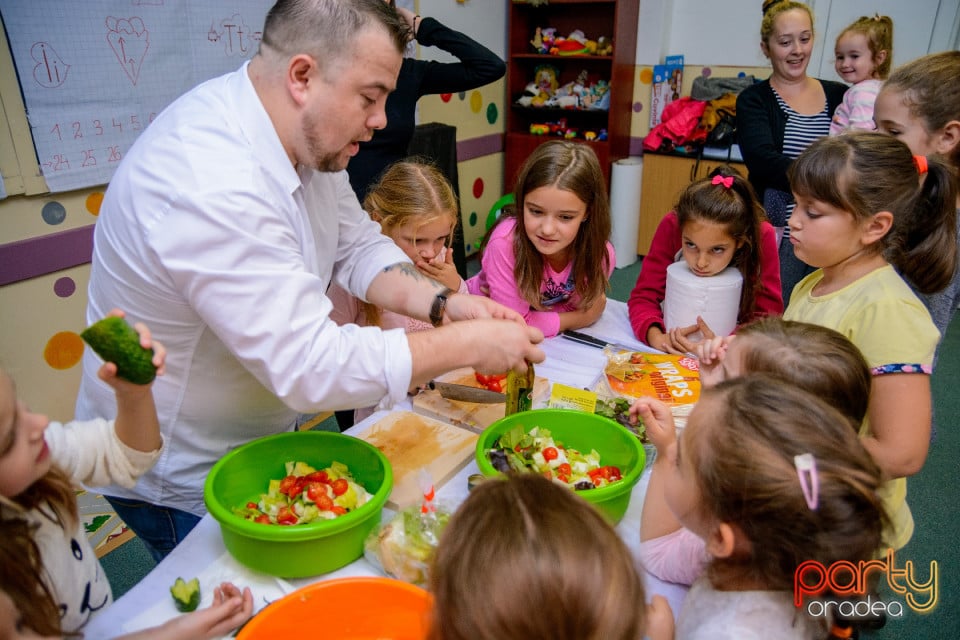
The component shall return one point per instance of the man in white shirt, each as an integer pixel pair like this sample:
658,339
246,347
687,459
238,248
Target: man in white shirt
222,228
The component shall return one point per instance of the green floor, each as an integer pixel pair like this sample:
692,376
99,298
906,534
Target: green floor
933,498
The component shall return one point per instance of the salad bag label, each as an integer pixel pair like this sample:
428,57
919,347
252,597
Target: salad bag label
519,390
672,379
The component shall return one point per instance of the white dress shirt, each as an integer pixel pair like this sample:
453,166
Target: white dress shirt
210,236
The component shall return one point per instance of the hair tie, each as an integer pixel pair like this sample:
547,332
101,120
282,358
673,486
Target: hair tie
806,466
726,181
921,164
770,6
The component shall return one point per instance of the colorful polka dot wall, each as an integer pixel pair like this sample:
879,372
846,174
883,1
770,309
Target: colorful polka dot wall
475,116
64,349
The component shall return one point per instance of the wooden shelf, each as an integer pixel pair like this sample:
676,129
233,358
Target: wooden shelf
614,19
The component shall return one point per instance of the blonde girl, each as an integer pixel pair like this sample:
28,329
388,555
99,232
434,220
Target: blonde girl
417,208
920,105
47,565
717,222
865,206
769,476
805,356
549,258
864,53
555,568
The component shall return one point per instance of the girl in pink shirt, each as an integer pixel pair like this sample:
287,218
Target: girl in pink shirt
864,55
549,257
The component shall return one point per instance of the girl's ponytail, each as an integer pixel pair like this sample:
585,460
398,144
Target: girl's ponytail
924,243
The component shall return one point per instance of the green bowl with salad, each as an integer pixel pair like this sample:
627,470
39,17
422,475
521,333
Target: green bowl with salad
594,456
298,504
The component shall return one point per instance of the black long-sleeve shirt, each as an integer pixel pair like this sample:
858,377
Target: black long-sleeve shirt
478,66
760,128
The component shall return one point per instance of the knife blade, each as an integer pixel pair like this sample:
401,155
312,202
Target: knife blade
466,393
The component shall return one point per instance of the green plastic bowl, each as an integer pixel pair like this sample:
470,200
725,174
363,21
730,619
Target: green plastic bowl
303,550
582,431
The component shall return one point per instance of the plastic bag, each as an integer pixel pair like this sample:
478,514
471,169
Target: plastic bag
403,547
672,379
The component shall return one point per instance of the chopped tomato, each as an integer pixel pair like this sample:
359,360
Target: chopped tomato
340,486
252,505
318,476
286,516
564,468
316,490
293,485
550,453
337,509
324,502
493,381
262,519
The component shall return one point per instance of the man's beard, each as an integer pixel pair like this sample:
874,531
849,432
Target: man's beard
320,160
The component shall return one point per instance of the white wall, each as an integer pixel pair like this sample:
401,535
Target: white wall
483,20
727,32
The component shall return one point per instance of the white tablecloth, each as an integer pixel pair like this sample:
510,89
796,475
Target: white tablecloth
202,553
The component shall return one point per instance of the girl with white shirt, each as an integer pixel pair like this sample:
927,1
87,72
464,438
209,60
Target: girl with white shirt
47,565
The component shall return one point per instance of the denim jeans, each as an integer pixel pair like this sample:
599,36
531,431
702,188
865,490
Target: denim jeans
160,528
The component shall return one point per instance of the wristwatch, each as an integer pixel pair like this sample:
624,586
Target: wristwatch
438,307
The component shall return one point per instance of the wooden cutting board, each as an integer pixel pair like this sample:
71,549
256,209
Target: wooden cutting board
474,416
411,442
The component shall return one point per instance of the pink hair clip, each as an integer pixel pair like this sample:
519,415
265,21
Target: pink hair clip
806,466
726,181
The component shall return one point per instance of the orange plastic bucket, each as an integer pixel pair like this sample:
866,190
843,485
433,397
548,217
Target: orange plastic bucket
347,609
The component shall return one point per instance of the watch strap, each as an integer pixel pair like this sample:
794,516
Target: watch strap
438,306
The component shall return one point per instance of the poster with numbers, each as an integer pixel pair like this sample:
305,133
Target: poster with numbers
95,73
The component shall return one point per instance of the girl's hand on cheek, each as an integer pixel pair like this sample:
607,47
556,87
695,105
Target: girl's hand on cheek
443,271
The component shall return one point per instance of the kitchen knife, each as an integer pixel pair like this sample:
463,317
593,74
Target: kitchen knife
583,338
466,393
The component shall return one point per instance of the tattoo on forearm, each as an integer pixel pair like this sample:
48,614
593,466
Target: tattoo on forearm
409,269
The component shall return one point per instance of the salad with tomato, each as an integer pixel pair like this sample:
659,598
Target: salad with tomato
536,451
306,495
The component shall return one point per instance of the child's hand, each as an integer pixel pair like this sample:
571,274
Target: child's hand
711,353
680,336
660,623
443,271
108,371
229,610
658,421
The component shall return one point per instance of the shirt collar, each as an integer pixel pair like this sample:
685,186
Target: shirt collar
259,130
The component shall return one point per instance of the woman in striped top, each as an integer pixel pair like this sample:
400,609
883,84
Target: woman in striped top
779,117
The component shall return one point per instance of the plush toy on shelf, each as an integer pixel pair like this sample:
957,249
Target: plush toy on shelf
573,45
537,41
604,46
545,79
